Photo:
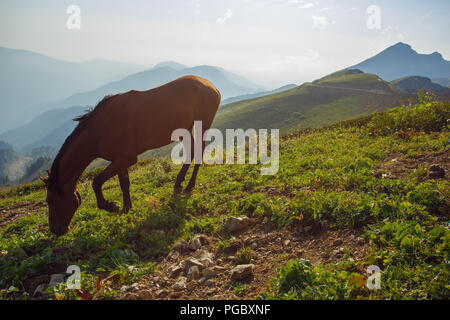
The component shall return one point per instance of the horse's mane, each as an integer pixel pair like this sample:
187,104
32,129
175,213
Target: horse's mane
82,121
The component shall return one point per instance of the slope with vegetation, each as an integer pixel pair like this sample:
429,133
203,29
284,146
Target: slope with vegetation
342,95
413,83
371,191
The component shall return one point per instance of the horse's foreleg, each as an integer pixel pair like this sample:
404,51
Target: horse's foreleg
124,181
114,168
182,174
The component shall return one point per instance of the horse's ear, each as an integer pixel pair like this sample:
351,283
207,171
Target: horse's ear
44,180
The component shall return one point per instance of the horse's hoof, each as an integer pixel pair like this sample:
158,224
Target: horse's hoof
125,210
110,207
177,190
187,190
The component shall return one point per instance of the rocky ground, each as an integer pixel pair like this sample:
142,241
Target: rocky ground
203,270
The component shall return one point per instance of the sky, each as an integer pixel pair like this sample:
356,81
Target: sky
271,42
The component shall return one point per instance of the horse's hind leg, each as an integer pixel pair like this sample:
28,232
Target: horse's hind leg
124,181
182,174
114,168
193,178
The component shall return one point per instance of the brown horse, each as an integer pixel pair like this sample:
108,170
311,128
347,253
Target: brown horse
121,127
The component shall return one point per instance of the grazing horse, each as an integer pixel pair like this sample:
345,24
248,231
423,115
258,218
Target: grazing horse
118,129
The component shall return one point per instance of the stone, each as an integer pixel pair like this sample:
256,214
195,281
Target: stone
161,293
236,224
56,279
180,284
174,270
235,245
436,172
286,242
202,280
209,273
210,283
198,241
173,255
190,262
242,271
181,246
193,273
134,287
204,257
195,244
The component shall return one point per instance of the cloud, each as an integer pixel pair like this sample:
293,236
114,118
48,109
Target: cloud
225,17
306,6
320,22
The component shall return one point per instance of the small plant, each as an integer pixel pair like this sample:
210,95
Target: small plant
245,255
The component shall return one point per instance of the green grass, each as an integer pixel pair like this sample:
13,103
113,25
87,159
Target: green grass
312,105
327,176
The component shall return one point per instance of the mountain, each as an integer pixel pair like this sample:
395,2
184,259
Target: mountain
256,95
442,81
400,60
43,128
229,84
28,80
170,64
7,156
339,96
414,83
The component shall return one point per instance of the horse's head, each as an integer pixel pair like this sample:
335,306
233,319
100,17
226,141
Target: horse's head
61,208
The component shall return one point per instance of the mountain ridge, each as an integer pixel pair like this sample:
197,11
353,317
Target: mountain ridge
400,60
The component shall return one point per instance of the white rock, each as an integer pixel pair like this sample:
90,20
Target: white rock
235,224
242,271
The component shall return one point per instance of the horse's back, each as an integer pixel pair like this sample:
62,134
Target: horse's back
146,119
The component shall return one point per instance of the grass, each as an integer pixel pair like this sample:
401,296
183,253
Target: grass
312,105
328,176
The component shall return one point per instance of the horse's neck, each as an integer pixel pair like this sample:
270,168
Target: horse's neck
74,161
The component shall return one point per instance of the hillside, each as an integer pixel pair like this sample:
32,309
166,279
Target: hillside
256,95
414,83
35,132
400,60
339,96
7,156
28,80
372,191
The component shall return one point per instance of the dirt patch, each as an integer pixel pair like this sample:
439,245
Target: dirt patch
399,166
270,247
13,213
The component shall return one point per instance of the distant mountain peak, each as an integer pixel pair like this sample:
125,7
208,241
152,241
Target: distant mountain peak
401,60
171,64
402,45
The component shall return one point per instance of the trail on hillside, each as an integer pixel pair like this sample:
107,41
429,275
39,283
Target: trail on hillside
372,91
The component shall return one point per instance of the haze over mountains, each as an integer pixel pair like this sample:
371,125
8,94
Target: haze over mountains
338,96
29,79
